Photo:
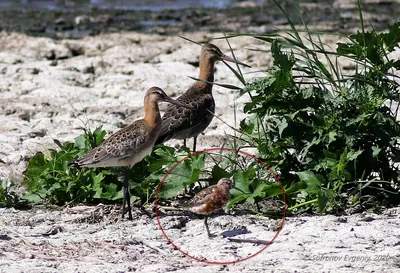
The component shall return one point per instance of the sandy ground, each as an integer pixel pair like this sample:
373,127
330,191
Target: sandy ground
50,89
92,240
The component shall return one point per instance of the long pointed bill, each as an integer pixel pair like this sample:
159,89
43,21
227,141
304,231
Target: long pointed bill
232,60
177,103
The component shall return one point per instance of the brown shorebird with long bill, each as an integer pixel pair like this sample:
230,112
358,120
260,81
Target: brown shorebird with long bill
211,199
182,123
131,144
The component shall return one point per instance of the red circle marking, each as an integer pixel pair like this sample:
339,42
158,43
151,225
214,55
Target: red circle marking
221,149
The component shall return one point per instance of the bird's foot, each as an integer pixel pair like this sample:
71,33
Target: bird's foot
125,210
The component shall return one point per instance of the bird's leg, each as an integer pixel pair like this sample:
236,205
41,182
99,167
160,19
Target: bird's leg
127,197
185,189
194,143
206,225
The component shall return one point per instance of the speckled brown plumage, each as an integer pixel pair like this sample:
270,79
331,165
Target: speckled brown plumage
123,147
181,123
131,144
211,199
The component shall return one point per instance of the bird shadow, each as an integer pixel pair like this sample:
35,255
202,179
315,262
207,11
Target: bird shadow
234,232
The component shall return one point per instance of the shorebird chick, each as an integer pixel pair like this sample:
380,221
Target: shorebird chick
182,123
131,144
211,199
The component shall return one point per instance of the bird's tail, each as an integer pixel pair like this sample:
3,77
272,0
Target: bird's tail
74,164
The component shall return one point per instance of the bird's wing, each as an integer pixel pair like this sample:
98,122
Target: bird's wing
121,144
201,197
182,122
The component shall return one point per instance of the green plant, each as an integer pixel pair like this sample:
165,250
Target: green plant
9,195
48,177
332,137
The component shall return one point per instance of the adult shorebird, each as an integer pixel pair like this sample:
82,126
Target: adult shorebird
131,144
182,123
211,199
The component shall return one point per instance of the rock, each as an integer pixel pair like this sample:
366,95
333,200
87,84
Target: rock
88,70
40,133
76,49
61,24
83,20
54,52
25,116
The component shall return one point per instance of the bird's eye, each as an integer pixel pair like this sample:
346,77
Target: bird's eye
216,51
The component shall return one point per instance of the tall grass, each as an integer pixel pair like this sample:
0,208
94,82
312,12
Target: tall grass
331,134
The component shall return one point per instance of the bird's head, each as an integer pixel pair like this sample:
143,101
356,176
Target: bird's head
156,94
213,53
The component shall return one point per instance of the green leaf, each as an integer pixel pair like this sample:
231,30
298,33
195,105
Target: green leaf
260,189
295,187
181,176
282,125
170,189
322,200
97,187
80,142
272,190
218,173
111,192
375,151
352,155
243,178
198,161
34,169
33,198
251,200
99,135
237,199
332,136
312,181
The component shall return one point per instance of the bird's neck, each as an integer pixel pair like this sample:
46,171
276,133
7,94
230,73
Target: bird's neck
152,113
206,74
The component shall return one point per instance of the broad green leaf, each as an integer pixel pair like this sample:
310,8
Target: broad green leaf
295,187
181,176
251,200
237,199
170,189
33,198
111,193
80,142
273,190
243,178
218,173
312,181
